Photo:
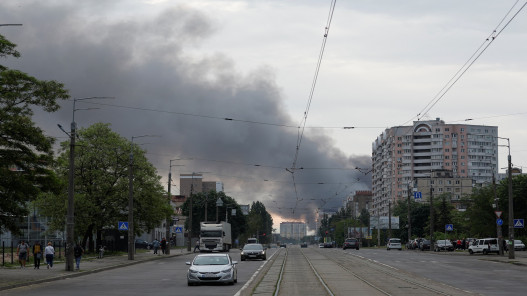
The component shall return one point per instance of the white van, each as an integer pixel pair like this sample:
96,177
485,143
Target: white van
485,246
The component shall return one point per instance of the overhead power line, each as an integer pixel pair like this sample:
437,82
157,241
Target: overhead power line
471,60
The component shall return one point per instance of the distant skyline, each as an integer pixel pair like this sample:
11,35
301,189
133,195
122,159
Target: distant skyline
180,68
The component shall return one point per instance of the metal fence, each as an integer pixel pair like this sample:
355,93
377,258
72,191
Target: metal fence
9,256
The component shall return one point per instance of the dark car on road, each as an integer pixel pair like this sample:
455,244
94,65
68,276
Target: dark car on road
443,245
351,243
142,244
303,245
253,251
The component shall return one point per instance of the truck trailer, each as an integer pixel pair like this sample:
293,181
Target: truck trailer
215,237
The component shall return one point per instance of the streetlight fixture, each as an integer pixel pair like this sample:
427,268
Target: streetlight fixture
70,223
219,203
131,235
511,205
167,234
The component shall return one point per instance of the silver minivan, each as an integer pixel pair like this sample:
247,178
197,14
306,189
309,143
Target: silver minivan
485,246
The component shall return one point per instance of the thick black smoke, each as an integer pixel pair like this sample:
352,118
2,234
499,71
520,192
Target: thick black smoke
147,62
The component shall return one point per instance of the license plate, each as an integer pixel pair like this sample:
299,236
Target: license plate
208,275
252,256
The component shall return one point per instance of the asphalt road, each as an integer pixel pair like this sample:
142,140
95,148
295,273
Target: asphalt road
480,274
160,277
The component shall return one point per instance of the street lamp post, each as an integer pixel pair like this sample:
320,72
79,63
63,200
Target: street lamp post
168,220
219,203
131,233
70,216
511,204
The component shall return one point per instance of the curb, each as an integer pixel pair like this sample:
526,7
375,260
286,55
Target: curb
82,273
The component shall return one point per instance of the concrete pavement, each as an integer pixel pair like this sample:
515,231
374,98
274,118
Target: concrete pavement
16,277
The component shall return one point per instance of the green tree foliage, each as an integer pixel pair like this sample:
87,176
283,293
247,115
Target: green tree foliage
201,200
260,223
25,152
101,185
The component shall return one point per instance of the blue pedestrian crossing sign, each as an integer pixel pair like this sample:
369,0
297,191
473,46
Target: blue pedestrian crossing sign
178,229
122,225
449,227
418,195
518,223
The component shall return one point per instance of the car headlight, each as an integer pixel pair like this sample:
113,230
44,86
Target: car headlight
192,270
227,270
242,253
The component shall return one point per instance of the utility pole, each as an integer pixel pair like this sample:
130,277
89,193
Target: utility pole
500,236
431,212
511,205
189,246
131,233
409,218
70,216
169,218
390,218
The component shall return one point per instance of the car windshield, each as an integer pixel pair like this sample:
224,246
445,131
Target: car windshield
395,241
211,260
351,240
253,247
517,242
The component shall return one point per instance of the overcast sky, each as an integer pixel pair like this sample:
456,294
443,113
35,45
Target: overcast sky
176,68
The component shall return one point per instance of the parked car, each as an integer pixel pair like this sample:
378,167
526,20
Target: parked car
303,245
443,245
351,243
485,246
394,243
424,244
253,251
212,268
321,245
518,245
142,244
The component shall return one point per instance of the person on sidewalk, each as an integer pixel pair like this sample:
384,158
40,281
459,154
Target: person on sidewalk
196,247
163,245
22,252
49,252
77,252
101,252
37,254
156,245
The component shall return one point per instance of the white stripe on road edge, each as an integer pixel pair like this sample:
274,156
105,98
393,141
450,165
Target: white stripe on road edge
254,275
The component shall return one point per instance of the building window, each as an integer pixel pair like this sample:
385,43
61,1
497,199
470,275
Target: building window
447,129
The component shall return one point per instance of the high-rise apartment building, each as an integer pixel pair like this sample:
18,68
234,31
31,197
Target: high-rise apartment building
194,183
293,230
403,154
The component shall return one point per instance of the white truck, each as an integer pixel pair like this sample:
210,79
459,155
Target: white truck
215,237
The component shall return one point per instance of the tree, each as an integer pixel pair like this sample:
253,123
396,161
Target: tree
201,200
259,223
26,154
101,186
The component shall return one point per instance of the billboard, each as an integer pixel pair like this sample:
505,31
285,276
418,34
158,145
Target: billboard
357,232
382,222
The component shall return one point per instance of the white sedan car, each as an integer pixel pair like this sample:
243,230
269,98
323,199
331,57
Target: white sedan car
394,243
212,268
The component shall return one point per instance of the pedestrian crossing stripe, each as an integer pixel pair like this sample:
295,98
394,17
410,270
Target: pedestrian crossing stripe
123,226
518,223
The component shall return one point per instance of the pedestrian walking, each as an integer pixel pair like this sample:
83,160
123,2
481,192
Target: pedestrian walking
77,252
49,252
196,247
37,255
156,245
101,252
22,251
163,245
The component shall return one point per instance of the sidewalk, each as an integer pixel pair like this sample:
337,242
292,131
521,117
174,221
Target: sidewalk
17,277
